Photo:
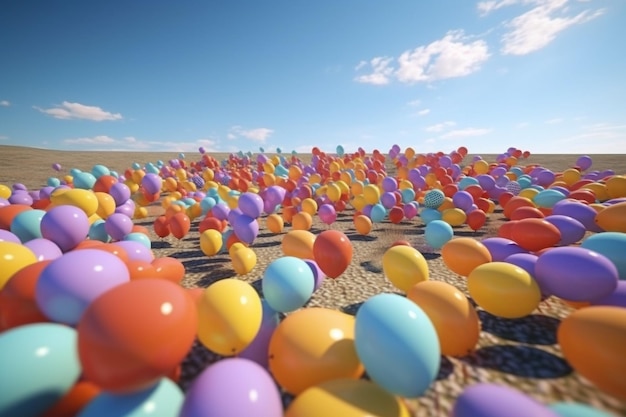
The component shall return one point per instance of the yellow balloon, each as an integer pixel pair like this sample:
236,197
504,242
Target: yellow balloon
333,192
446,205
137,175
244,260
359,203
363,224
132,185
275,223
452,314
570,176
454,216
229,316
356,187
346,398
85,200
298,243
302,221
5,192
140,212
504,290
210,242
371,194
13,257
106,204
313,345
463,254
612,218
598,189
481,166
616,186
404,266
309,206
529,193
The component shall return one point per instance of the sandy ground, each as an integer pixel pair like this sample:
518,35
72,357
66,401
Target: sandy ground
521,353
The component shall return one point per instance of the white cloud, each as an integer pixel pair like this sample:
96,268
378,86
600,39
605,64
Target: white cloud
260,134
423,112
68,110
467,132
554,121
604,137
96,140
440,126
5,103
131,143
448,57
486,7
3,137
539,26
381,71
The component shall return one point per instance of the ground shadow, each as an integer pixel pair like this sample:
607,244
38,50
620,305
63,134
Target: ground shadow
360,238
446,368
352,308
213,276
536,329
371,267
160,244
267,244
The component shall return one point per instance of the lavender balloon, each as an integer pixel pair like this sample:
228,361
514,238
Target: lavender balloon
118,225
246,228
44,249
7,236
571,229
617,298
66,226
136,251
501,248
251,204
258,349
579,211
491,400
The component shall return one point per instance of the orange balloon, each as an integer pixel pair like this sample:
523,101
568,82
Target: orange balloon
116,250
363,224
313,345
298,243
514,203
161,226
302,221
506,229
535,234
275,223
527,212
476,219
169,268
452,314
332,250
136,333
140,269
180,224
463,254
72,403
592,340
504,198
18,305
8,213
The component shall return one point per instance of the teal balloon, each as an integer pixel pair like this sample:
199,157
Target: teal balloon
27,225
438,233
281,171
571,409
152,169
548,198
287,283
467,181
97,231
612,245
39,364
139,237
53,182
100,170
84,180
408,195
524,182
378,213
136,166
429,215
164,399
517,171
397,344
340,150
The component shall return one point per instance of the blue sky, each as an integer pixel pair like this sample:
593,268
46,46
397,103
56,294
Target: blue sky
545,76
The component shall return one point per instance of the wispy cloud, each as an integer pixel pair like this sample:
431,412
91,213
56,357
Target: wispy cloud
440,126
455,55
554,121
68,110
3,137
605,137
423,112
539,26
131,143
467,132
260,134
5,103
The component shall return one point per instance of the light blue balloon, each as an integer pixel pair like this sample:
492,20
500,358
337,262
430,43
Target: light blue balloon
438,233
281,171
408,195
566,409
53,182
75,171
84,180
115,174
398,345
100,170
524,182
151,168
517,171
39,364
136,166
287,283
378,213
163,399
139,237
27,225
467,181
181,156
207,204
98,232
612,245
340,150
548,198
429,215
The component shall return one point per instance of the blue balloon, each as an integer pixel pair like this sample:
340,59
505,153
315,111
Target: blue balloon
53,182
139,237
164,399
100,170
98,232
467,181
408,195
429,214
438,233
397,344
27,225
378,213
39,365
567,409
84,180
340,150
287,283
612,245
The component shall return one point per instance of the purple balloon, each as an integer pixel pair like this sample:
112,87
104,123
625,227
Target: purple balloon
463,200
327,213
70,283
617,298
44,249
21,197
576,274
233,214
251,204
120,193
501,248
275,194
571,229
491,400
579,211
389,184
233,387
220,211
410,211
127,208
118,225
584,162
18,186
258,349
56,166
388,199
318,274
246,228
152,183
66,226
487,182
7,236
136,251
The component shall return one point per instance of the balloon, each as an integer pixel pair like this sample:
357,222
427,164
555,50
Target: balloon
44,249
302,221
83,199
8,213
347,398
362,224
332,250
229,316
164,398
584,162
65,225
571,229
438,233
179,225
500,248
135,334
151,183
17,298
504,290
120,193
398,345
6,236
476,219
233,387
611,218
161,226
118,225
135,250
491,400
70,283
318,274
327,213
576,274
548,198
251,204
39,364
14,257
298,243
535,234
579,211
211,242
454,317
453,216
74,400
168,268
572,409
246,228
27,225
258,349
311,346
244,259
288,283
404,266
275,223
433,198
603,330
612,245
463,254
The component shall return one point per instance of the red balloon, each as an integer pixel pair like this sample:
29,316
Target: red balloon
169,268
332,250
506,229
535,234
8,213
136,333
476,219
180,224
139,269
162,226
527,212
515,203
72,403
396,214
